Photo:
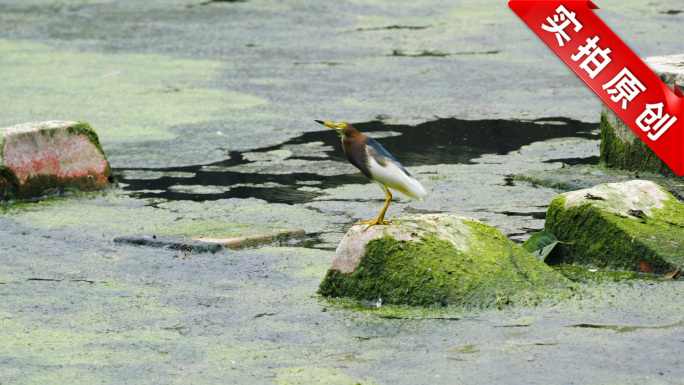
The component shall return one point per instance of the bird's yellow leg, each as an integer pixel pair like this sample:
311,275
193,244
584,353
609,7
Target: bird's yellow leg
381,218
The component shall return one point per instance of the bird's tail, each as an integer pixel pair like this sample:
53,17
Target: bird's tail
414,189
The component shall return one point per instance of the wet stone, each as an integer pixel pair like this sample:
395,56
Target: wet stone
274,237
47,158
439,260
631,226
670,68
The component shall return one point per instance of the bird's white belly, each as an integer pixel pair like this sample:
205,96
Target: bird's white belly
393,177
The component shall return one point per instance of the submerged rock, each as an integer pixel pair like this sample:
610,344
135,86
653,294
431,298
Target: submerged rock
636,226
620,146
46,158
274,237
438,260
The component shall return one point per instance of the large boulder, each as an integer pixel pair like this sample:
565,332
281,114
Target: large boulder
46,158
438,260
636,226
620,146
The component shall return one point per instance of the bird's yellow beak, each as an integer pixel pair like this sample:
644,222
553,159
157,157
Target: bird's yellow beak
327,124
335,126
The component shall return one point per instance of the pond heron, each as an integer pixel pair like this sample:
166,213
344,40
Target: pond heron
378,165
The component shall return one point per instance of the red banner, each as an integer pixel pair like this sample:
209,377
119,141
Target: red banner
650,108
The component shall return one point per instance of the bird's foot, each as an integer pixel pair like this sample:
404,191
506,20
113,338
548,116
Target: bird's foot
372,223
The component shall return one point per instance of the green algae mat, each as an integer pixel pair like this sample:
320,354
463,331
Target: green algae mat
78,308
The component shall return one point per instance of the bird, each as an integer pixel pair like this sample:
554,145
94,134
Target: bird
366,154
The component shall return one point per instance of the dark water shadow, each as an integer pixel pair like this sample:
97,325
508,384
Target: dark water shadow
442,141
576,161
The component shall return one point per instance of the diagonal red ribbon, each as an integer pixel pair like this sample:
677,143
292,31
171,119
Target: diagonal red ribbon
616,74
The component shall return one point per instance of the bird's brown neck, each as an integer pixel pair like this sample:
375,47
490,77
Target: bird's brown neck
354,138
351,133
354,147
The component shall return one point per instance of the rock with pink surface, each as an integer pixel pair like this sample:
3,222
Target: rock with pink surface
47,158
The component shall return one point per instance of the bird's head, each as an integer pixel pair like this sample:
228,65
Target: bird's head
345,130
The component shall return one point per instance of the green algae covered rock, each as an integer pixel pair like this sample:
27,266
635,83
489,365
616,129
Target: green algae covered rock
439,260
620,146
635,226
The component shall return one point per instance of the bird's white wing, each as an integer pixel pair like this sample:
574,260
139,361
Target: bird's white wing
390,173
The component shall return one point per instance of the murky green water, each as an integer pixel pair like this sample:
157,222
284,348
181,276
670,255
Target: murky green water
84,310
160,79
78,308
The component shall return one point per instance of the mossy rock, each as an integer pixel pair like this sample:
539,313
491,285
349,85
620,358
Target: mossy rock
621,148
48,158
633,226
436,261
